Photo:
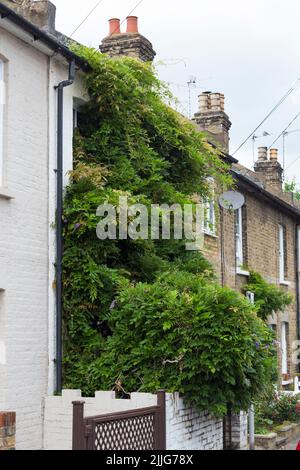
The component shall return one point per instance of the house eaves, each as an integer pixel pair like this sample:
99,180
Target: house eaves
258,191
225,156
29,33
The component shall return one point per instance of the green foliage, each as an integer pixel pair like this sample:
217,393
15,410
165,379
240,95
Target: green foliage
172,325
129,126
268,297
291,187
274,408
183,334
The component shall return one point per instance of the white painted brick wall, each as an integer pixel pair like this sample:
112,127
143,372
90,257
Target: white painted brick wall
27,240
59,410
239,423
187,429
24,240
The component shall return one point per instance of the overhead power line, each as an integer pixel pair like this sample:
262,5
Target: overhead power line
284,131
129,14
84,20
133,10
287,94
293,163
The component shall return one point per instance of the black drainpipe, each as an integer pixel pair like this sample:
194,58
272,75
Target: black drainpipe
59,222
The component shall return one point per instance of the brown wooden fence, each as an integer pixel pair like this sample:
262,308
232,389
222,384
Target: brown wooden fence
140,429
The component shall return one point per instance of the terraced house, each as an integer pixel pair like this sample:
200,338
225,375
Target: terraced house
41,91
33,62
40,95
262,236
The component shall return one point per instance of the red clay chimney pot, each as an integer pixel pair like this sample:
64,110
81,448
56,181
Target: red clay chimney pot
114,26
132,24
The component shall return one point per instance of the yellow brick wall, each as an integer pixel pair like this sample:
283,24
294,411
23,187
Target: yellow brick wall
262,256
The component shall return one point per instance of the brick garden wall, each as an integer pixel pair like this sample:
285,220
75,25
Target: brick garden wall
187,429
239,426
7,431
58,413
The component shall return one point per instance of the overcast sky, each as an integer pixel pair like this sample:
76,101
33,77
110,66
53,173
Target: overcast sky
249,50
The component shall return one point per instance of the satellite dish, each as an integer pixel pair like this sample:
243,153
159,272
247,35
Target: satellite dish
232,200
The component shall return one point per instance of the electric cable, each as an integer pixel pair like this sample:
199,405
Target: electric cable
84,20
293,163
284,131
287,94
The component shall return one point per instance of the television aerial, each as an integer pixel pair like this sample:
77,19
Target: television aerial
191,84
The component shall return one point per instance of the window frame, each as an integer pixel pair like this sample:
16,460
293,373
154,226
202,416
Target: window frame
239,242
284,348
209,211
209,224
282,254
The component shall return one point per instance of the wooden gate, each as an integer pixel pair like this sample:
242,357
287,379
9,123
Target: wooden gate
140,429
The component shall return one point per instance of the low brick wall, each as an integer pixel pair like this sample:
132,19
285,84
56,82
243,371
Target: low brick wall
7,430
187,429
239,427
266,441
58,413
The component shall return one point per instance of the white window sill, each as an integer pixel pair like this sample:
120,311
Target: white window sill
5,193
287,382
285,283
210,234
242,272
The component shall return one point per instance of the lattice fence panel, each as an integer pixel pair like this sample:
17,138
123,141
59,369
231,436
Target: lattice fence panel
134,433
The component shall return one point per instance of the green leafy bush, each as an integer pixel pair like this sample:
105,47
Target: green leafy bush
275,408
268,297
183,334
172,325
291,187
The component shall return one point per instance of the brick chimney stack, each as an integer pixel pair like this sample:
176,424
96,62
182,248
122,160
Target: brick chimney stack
131,43
41,13
211,118
269,170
